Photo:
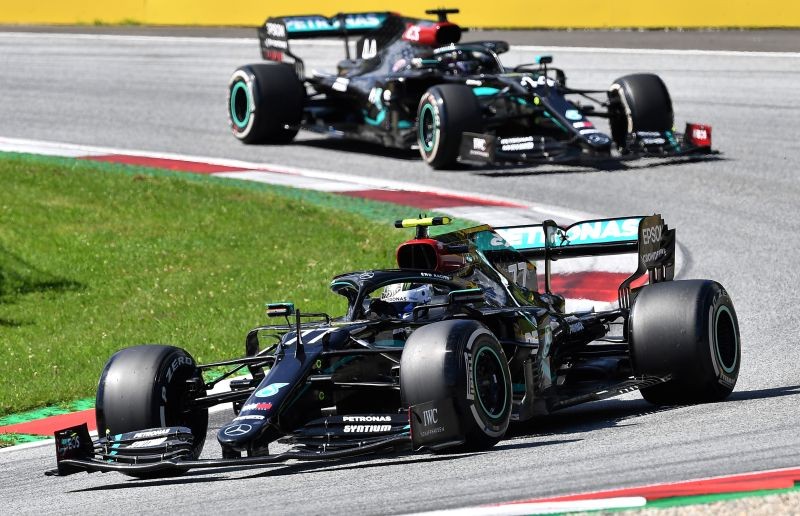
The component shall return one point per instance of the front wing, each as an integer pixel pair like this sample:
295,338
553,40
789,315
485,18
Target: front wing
490,149
165,451
93,456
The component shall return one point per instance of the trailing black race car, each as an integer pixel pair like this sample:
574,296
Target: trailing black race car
411,84
444,352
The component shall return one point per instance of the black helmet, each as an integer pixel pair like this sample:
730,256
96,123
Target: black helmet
468,61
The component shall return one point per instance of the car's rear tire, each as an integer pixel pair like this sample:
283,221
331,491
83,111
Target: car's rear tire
265,103
144,387
445,112
463,361
639,102
687,329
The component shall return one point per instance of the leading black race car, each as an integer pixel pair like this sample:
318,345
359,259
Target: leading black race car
412,84
444,352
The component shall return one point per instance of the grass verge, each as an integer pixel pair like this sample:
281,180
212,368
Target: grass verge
95,257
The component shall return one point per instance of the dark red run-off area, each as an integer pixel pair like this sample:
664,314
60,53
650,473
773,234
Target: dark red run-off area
179,165
426,200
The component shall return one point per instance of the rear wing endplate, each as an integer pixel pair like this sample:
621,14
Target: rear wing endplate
648,236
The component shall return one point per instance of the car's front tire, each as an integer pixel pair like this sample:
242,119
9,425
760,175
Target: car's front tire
463,361
145,387
639,102
445,112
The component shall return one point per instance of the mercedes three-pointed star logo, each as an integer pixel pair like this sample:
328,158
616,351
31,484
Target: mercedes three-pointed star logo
237,430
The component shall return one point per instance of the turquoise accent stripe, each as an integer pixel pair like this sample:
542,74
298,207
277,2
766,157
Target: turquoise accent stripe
302,24
559,124
483,91
427,108
235,92
378,120
389,343
378,103
581,233
671,137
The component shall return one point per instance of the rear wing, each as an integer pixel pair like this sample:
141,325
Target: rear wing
648,236
338,25
275,33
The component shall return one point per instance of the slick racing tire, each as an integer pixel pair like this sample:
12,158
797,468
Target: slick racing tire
265,103
145,387
687,329
445,112
639,102
463,361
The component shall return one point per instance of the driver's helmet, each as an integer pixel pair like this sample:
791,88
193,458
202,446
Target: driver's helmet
468,62
404,297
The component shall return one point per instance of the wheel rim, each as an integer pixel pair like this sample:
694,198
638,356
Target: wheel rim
427,127
175,408
725,340
240,105
490,382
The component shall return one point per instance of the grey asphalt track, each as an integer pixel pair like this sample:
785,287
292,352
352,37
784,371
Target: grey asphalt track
736,216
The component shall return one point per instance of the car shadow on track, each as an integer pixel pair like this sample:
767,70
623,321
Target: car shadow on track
615,413
202,475
138,483
390,459
586,418
510,169
399,458
774,392
357,147
610,165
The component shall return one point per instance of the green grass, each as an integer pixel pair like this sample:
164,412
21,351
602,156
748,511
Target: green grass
7,440
97,257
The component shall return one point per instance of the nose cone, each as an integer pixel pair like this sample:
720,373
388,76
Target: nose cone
251,422
599,141
242,433
233,432
255,425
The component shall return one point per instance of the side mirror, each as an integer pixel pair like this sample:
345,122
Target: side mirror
561,77
544,60
280,309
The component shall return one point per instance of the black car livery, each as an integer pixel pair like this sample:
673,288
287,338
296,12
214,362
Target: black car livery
446,351
412,83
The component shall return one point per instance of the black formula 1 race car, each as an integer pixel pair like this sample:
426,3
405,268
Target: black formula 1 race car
411,84
444,352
